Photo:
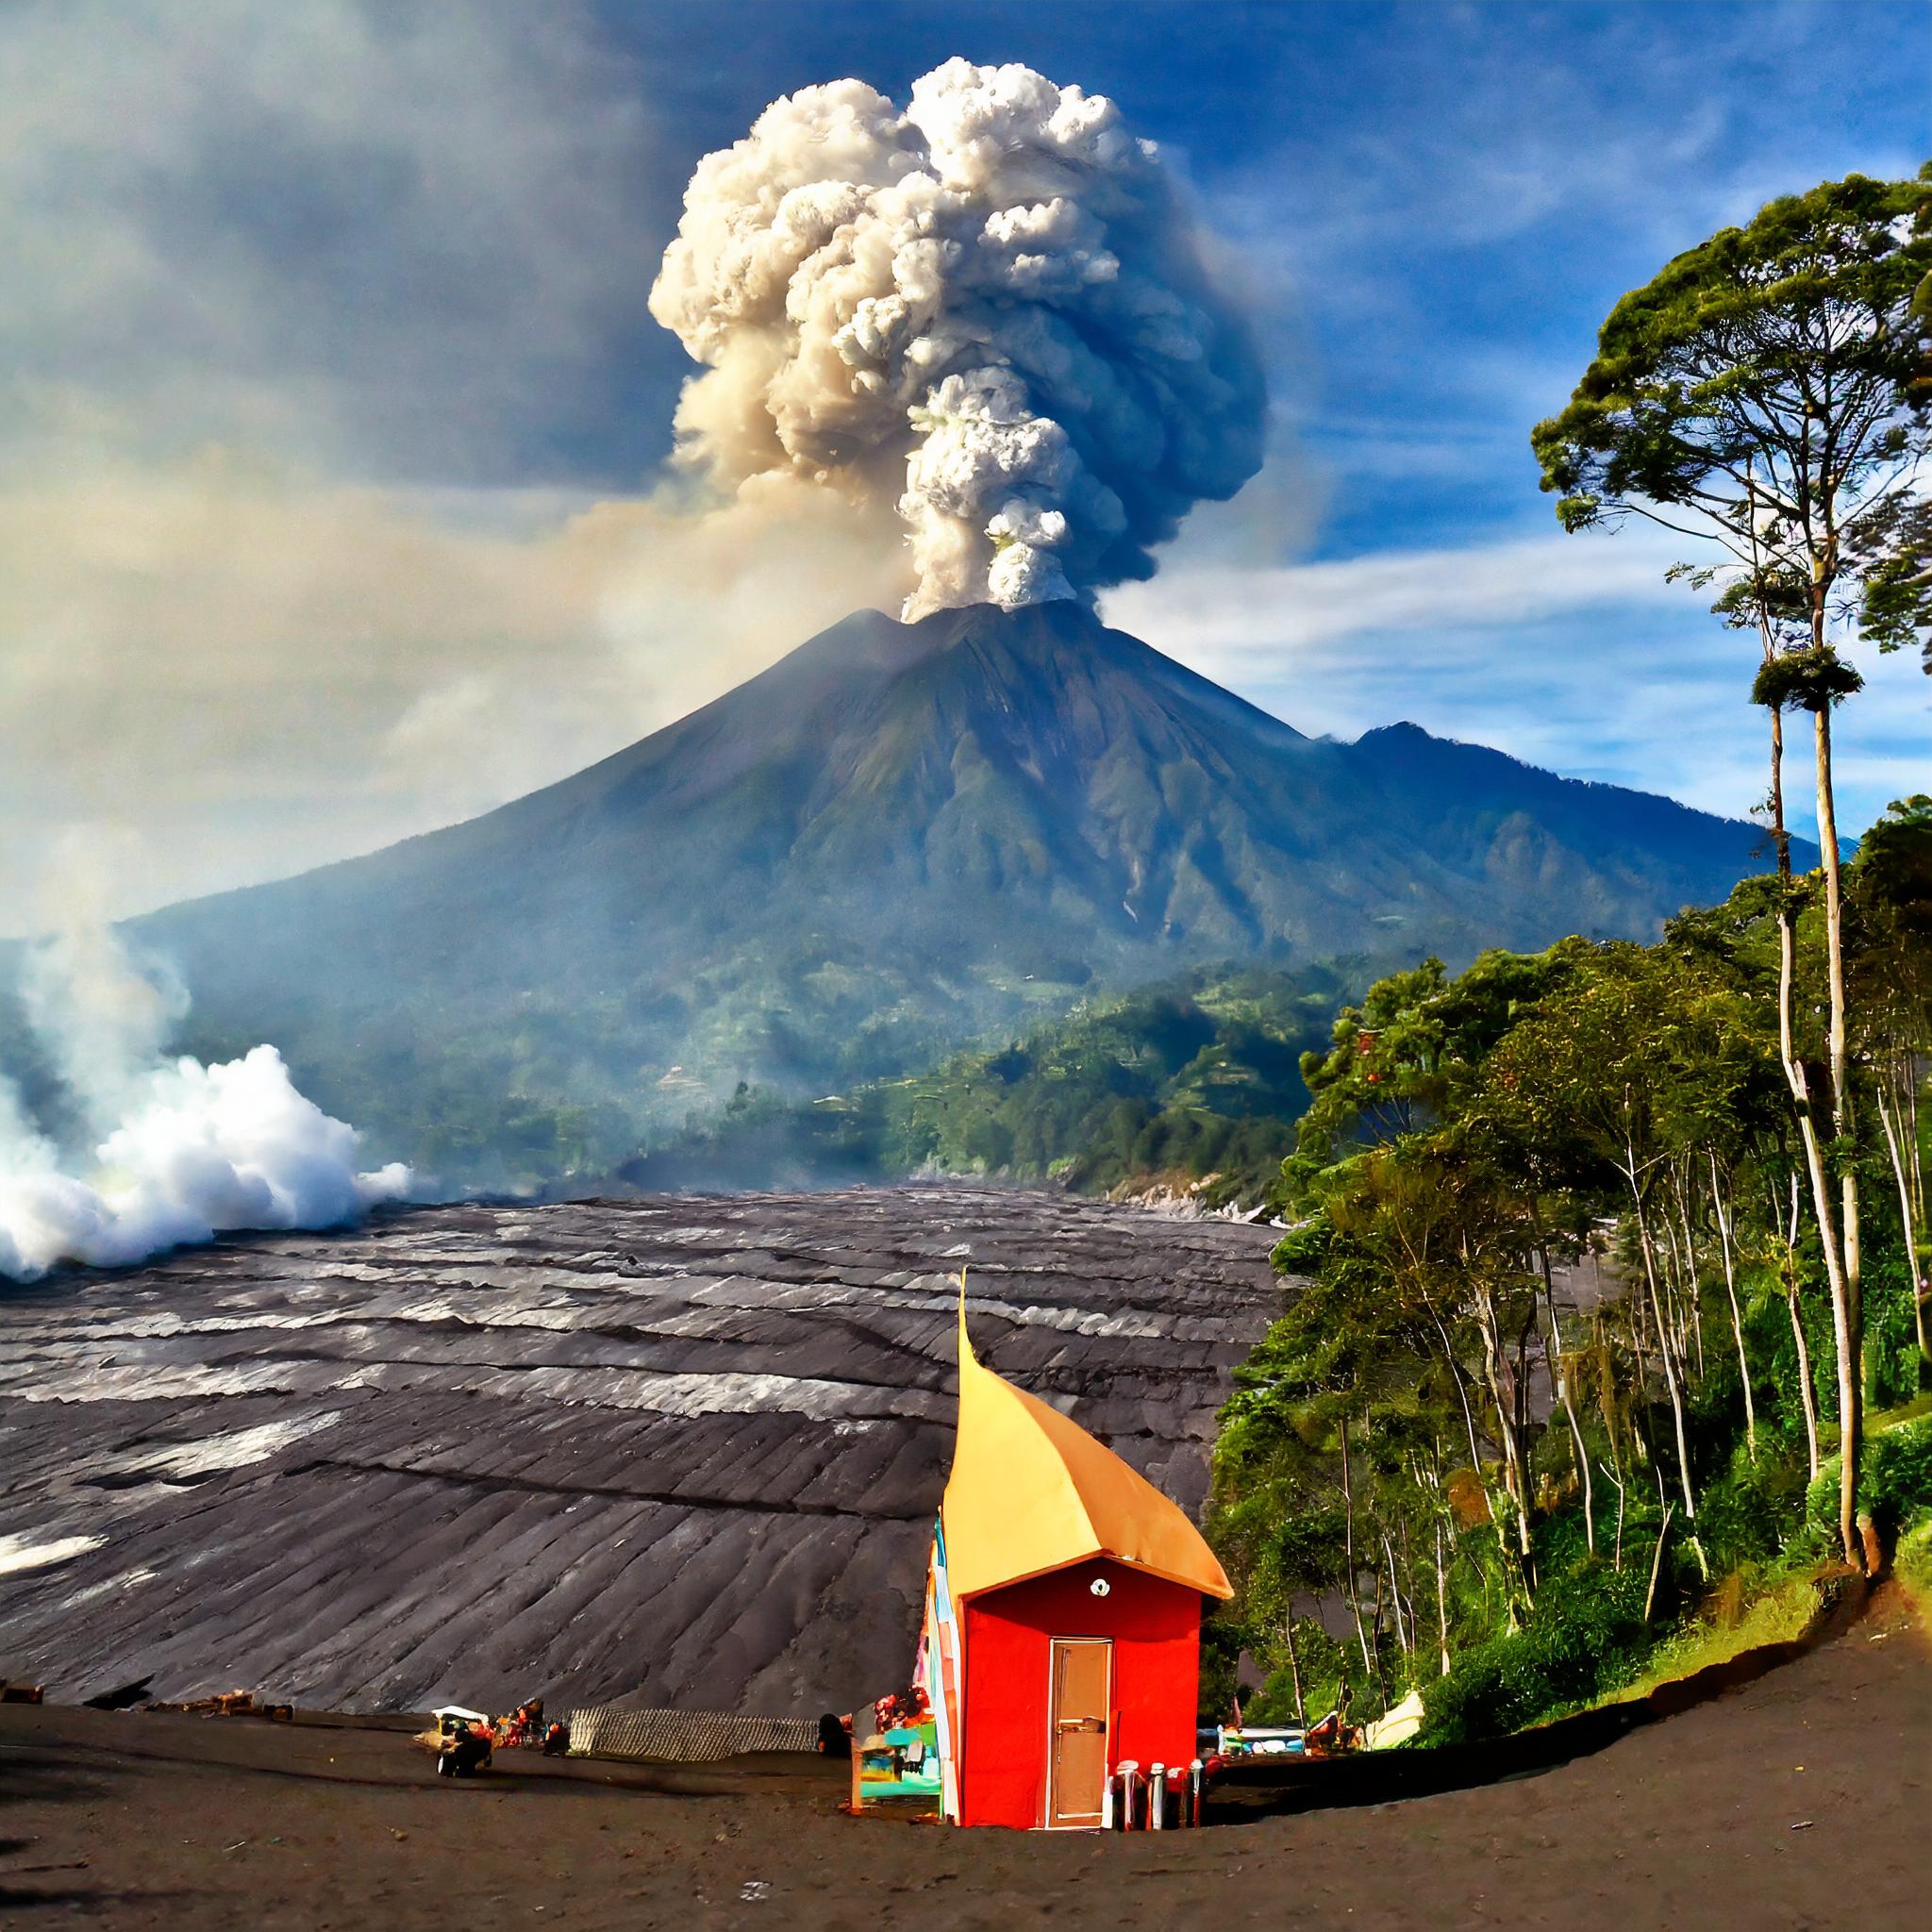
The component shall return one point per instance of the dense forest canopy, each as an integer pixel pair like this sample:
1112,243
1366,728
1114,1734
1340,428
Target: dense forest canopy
1607,1249
1194,1083
1558,1355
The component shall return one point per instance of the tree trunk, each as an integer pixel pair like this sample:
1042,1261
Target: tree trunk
1475,1462
1441,1598
1355,1595
1894,1145
1402,1636
1618,1482
1559,1375
1797,1080
1664,1342
1294,1663
1375,1625
1693,1285
1515,1459
1723,1233
1406,1595
1847,1315
1806,1389
1909,1090
1847,1312
1656,1562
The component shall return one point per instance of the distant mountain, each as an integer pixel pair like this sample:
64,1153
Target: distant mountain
898,837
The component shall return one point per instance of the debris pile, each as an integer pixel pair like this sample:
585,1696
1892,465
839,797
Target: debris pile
466,1741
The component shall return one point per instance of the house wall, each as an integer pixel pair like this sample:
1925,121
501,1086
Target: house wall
1157,1663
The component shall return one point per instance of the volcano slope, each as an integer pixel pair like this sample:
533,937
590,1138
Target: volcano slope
677,1452
899,838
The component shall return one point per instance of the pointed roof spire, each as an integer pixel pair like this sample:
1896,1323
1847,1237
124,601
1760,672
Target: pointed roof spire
1030,1492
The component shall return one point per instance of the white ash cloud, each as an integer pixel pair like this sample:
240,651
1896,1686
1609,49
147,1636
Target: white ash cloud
989,309
171,1151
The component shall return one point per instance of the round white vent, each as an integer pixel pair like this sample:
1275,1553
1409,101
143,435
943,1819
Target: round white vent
1100,1586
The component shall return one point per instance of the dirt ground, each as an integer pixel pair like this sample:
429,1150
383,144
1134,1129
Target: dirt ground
1804,1799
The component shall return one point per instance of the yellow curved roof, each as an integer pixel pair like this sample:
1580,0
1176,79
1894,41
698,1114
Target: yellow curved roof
1031,1491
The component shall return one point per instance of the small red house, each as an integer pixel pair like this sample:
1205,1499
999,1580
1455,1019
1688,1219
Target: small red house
1064,1615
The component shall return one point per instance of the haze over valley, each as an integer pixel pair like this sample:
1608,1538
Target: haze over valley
901,840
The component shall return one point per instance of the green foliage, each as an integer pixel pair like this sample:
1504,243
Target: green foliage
1586,1635
1893,564
1195,1079
1732,333
1892,873
1893,1365
1766,392
1397,1060
1807,680
1322,1661
1752,1511
1618,1100
1897,1472
1221,1643
1914,1558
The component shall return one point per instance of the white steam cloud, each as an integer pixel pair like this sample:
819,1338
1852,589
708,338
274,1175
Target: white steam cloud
989,310
169,1151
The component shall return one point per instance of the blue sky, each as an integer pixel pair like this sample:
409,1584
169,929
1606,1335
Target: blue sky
337,413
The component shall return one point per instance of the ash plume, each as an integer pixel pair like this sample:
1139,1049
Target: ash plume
988,309
171,1151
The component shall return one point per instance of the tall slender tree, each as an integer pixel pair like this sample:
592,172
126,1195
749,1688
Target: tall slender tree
1765,395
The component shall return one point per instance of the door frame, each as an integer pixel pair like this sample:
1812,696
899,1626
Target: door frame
1053,1650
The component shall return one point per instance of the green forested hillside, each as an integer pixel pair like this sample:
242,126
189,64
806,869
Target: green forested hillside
1561,1368
899,840
1194,1078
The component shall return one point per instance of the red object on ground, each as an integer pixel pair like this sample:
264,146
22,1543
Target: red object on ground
1156,1630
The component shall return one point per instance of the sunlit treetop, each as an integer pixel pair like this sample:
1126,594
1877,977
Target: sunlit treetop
1768,390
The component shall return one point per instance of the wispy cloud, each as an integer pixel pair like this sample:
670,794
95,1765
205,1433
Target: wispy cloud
1570,652
320,329
399,239
1235,619
263,671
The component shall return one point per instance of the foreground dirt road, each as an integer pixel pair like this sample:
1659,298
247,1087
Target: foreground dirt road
1802,1800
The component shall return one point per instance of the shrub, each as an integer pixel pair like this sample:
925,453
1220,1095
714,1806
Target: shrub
1748,1514
1914,1558
1898,1463
1897,1469
1585,1636
1894,1364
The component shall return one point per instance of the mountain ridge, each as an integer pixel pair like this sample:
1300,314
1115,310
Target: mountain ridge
896,839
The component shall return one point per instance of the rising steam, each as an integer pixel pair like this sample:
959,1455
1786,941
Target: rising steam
166,1151
989,309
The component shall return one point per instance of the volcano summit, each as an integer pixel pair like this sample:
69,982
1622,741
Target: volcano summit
899,836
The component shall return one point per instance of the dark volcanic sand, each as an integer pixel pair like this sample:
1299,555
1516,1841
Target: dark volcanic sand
673,1452
206,1824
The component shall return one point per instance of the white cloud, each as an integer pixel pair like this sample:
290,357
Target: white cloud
316,316
1570,652
1232,619
299,298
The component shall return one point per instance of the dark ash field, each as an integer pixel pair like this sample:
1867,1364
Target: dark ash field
679,1452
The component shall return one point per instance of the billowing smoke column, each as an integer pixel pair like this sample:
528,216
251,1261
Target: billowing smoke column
989,307
178,1151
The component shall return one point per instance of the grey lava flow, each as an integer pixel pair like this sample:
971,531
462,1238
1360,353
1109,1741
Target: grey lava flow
679,1452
